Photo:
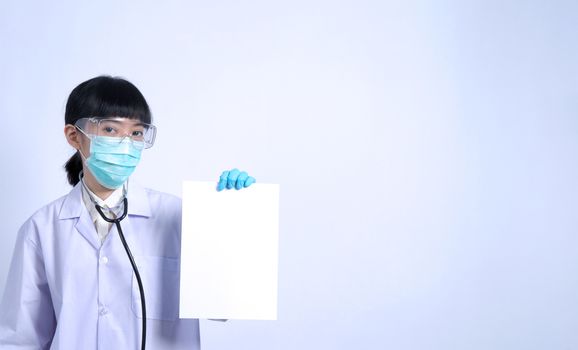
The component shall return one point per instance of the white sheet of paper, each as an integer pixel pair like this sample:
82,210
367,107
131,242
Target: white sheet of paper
229,252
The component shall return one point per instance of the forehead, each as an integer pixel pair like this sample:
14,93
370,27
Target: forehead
122,121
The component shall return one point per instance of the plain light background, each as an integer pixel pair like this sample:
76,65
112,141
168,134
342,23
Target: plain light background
427,152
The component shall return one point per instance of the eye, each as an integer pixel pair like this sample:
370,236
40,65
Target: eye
137,133
109,129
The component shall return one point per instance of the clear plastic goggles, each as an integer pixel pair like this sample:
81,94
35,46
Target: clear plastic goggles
141,134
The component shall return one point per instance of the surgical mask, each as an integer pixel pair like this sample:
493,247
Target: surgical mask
112,159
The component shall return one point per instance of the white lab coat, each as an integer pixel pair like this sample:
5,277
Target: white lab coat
66,291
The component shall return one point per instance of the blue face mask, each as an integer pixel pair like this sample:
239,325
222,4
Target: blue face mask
112,160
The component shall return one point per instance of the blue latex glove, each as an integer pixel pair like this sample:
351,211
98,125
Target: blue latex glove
234,179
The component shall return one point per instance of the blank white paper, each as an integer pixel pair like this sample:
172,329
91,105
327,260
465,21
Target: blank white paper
229,252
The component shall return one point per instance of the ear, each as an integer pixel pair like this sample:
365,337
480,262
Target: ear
72,136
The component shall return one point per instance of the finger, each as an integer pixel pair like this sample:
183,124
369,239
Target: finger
250,180
241,180
223,180
232,178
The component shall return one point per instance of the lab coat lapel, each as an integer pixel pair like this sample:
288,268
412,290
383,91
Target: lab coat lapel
131,240
73,207
138,200
85,226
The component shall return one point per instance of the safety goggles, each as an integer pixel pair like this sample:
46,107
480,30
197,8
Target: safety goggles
141,134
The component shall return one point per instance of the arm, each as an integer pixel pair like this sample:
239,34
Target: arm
27,318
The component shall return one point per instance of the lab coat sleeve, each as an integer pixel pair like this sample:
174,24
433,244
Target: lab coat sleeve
27,319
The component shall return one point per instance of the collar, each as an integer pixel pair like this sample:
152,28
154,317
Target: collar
113,201
138,201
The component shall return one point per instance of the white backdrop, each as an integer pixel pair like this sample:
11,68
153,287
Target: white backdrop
427,152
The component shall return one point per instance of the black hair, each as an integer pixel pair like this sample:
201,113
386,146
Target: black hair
102,97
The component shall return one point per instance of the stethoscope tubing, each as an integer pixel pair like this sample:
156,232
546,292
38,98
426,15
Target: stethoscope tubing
117,221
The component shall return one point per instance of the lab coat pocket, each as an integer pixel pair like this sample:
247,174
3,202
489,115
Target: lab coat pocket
160,278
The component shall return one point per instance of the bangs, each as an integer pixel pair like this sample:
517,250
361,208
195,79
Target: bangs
106,97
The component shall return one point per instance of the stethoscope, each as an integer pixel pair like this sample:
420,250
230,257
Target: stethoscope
117,221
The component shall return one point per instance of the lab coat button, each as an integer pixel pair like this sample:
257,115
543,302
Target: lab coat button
104,260
103,311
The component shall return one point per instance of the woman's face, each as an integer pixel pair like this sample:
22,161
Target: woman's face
79,135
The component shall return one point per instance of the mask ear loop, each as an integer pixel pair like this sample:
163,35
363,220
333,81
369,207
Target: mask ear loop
88,136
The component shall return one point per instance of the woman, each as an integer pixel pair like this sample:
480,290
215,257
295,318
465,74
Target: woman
71,284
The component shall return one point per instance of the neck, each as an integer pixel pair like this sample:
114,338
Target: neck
96,188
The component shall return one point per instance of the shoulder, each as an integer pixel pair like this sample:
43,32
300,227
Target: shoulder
146,202
161,206
42,218
162,198
162,211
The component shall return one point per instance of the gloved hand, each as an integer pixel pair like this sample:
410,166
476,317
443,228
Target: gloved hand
234,179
